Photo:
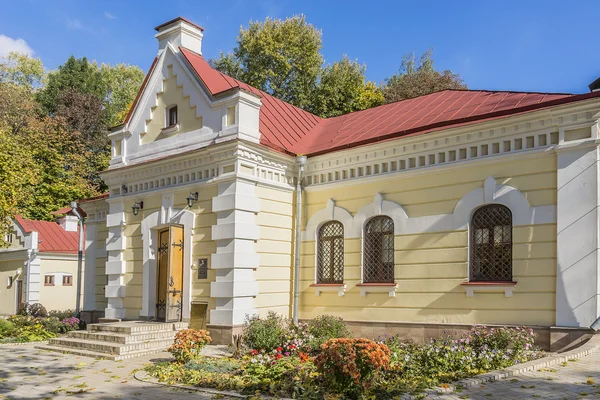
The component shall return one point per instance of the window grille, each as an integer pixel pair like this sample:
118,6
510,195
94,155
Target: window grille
330,253
378,260
491,244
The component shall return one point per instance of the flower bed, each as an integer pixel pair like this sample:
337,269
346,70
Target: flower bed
290,365
34,324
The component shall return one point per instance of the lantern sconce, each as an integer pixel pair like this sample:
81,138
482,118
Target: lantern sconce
191,199
137,207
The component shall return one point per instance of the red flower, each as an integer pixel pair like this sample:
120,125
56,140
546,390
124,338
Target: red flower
254,352
278,356
292,346
279,349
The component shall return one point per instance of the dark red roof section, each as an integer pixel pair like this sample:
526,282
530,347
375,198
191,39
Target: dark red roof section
282,125
52,237
291,130
178,19
449,108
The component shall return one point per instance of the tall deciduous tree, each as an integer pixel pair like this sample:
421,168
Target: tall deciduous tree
283,58
121,83
417,80
342,89
22,70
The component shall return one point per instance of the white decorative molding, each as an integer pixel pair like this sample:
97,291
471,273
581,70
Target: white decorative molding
203,166
522,212
376,288
493,141
319,288
331,212
234,261
472,287
170,129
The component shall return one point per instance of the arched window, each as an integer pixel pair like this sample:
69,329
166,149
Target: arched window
330,253
491,244
378,260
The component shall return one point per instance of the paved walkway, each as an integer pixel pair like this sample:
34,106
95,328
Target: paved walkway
575,379
29,373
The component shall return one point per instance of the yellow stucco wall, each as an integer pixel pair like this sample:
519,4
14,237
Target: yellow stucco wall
58,297
275,250
7,294
100,282
430,266
171,95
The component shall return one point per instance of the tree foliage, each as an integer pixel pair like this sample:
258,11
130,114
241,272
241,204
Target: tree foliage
414,80
342,89
283,58
53,129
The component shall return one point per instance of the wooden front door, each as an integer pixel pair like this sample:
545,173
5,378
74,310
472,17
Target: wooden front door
169,286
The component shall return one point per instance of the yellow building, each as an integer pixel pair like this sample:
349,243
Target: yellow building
451,209
40,264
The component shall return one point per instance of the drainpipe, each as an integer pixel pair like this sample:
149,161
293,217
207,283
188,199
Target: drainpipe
301,160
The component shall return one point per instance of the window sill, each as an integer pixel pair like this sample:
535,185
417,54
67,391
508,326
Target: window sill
340,288
472,287
48,284
67,284
170,129
389,288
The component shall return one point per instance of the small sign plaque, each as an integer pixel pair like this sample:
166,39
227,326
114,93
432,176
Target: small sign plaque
203,268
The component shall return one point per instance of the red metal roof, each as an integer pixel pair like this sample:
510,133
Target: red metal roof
282,125
448,108
292,130
52,237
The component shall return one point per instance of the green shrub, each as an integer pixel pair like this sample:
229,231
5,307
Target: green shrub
33,333
61,314
35,310
326,327
265,333
7,328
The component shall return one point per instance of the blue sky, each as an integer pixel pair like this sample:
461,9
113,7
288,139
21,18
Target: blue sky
527,45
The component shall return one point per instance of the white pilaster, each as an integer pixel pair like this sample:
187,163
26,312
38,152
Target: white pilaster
235,260
577,283
89,278
115,266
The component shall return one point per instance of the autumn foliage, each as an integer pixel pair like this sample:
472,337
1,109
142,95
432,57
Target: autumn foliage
189,343
347,363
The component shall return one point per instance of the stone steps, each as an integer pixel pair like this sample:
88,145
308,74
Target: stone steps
122,338
117,340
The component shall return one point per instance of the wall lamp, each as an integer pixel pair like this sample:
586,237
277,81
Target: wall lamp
191,199
137,207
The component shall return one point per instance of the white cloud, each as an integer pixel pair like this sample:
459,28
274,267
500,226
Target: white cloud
109,15
74,24
8,44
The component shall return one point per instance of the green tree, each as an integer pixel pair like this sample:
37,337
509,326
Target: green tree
417,80
75,73
21,70
282,58
121,84
342,89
